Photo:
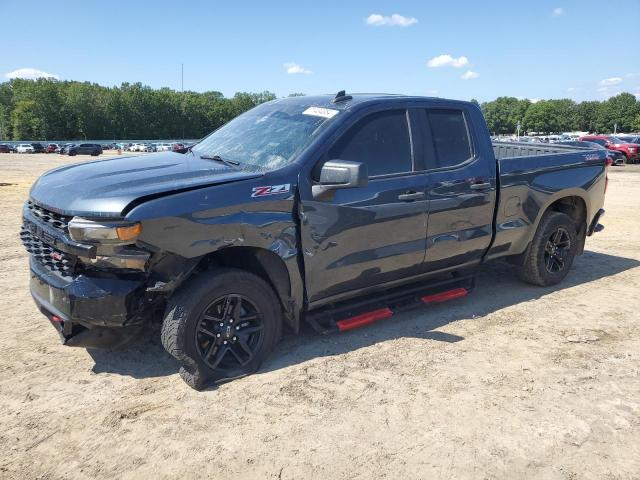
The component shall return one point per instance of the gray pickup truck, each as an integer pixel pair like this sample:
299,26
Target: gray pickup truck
333,210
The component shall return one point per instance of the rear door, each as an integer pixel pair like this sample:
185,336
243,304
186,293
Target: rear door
461,189
369,235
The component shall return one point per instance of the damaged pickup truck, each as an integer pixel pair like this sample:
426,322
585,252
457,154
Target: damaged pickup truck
335,211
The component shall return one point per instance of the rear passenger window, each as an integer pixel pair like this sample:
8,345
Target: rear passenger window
380,140
450,136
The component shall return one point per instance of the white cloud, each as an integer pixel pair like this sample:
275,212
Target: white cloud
30,74
534,100
293,68
607,82
468,75
558,12
447,61
395,20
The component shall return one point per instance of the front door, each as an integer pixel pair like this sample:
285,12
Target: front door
369,235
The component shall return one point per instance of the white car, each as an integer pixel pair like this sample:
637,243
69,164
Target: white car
164,147
137,147
24,148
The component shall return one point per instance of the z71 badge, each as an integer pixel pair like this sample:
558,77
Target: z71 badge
270,190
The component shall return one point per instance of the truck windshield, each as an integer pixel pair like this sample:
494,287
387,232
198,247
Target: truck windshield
270,135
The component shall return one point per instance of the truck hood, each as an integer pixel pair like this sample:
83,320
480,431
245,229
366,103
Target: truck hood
105,188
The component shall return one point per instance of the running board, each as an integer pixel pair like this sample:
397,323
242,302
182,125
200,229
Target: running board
356,314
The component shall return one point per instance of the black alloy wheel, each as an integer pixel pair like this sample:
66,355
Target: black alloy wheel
229,333
552,250
556,250
221,324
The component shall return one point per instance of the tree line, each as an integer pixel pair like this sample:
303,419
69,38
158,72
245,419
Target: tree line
51,109
621,112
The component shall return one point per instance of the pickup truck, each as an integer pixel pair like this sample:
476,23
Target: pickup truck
331,210
628,149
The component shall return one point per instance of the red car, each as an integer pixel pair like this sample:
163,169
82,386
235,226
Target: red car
630,150
52,148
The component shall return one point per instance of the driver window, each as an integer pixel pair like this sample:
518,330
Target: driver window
381,140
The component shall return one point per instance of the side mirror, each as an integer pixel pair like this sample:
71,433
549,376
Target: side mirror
340,174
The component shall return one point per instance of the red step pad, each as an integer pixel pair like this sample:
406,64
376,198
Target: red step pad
363,319
444,296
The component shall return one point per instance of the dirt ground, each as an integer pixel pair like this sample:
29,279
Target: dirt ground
514,381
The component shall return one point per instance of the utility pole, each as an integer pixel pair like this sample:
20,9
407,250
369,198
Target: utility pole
615,128
182,97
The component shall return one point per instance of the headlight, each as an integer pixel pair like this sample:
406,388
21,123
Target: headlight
83,230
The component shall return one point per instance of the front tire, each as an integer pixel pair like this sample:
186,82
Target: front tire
221,325
553,248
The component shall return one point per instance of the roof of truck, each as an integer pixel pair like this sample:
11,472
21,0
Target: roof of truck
344,101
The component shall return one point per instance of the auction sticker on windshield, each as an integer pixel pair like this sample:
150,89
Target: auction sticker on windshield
321,112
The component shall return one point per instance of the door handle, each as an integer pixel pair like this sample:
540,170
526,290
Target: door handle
410,196
480,186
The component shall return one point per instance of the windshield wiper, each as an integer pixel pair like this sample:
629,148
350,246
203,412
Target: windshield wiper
218,158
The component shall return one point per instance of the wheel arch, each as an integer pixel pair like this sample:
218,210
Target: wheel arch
575,206
264,263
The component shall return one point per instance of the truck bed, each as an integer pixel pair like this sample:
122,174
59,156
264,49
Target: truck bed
504,150
532,175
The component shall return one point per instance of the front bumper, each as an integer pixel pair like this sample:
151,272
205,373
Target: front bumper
89,311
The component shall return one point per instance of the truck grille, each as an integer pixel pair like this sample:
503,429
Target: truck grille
56,220
50,257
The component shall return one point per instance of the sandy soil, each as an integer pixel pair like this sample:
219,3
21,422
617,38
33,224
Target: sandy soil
514,381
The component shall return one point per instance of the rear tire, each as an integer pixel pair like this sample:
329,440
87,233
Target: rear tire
551,252
221,325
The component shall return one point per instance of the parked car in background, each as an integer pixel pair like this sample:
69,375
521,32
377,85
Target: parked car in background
65,148
163,147
617,158
53,148
85,149
630,138
630,150
4,148
38,148
24,148
137,147
177,146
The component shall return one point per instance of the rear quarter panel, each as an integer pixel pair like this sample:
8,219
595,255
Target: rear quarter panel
529,185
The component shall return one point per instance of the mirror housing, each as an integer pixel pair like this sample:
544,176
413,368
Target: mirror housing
337,174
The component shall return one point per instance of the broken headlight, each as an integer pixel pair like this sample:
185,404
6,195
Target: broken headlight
83,230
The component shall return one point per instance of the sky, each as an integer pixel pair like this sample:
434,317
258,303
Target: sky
579,49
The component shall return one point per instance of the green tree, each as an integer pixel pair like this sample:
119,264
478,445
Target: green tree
504,113
619,110
587,115
25,122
